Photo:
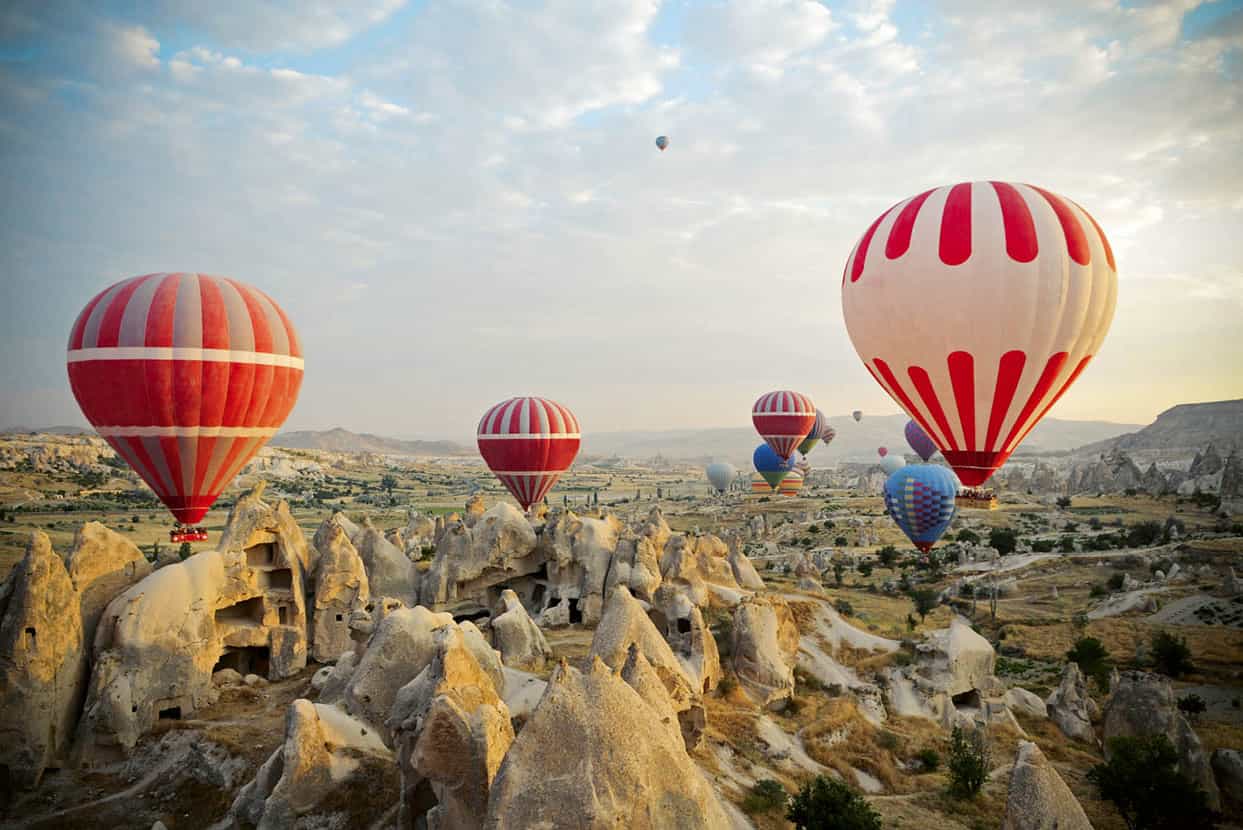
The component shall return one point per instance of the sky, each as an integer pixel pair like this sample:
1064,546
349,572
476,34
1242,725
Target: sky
456,202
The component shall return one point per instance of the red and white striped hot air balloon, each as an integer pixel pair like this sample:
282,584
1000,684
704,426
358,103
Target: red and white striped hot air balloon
528,443
976,306
186,376
783,420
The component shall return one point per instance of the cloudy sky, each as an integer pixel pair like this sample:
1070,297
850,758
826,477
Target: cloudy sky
460,201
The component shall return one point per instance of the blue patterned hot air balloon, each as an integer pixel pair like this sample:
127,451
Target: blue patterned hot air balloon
662,142
770,465
920,498
919,440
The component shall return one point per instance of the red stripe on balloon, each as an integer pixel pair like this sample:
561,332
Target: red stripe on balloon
962,378
110,324
900,234
161,312
896,390
923,385
861,251
1016,217
955,246
1009,371
79,326
1109,251
1041,388
1076,239
1073,377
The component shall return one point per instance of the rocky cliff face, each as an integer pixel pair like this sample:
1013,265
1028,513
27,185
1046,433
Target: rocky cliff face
1189,426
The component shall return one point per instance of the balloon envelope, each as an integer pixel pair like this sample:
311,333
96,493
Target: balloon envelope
721,475
528,443
662,142
783,420
975,307
857,415
791,484
892,463
759,484
920,498
816,435
882,451
919,440
187,376
771,466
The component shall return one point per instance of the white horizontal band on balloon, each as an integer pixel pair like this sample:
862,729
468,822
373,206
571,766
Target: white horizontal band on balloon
187,432
527,472
183,353
755,413
513,436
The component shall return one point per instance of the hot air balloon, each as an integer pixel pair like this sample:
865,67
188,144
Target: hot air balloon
857,415
771,466
892,463
882,451
662,142
816,434
975,307
528,443
802,466
791,484
759,485
783,420
186,376
721,475
919,440
920,498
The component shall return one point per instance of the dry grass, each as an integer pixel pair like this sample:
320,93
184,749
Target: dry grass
1211,646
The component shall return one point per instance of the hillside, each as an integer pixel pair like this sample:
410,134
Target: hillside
1188,426
342,440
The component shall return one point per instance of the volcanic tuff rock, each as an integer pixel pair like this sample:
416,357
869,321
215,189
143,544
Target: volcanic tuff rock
765,648
1144,704
452,730
1039,799
1026,703
693,563
516,636
341,587
639,674
1228,769
101,565
956,659
577,553
160,640
390,573
689,637
41,663
1071,707
744,572
593,756
469,560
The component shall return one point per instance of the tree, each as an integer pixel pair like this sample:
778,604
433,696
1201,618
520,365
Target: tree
1114,583
1063,502
1068,544
1003,539
925,600
865,568
1093,660
765,795
1170,655
1142,781
841,541
1144,534
838,570
969,536
183,552
1192,706
828,804
887,555
968,761
388,482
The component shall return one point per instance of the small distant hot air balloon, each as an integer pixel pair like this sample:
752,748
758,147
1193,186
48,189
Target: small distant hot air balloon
783,420
920,498
828,435
528,443
771,466
857,415
662,141
882,451
892,463
919,440
791,484
759,485
721,475
815,435
975,307
186,376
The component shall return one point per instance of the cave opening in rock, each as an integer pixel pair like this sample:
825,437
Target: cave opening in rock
282,615
576,616
280,579
30,637
684,625
171,713
537,596
246,612
472,616
245,660
967,700
261,555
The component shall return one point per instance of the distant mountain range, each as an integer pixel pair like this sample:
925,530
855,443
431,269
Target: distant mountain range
1188,426
342,440
59,430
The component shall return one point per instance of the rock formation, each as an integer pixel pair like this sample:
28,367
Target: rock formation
1039,799
764,649
390,573
693,564
593,756
1026,703
341,587
41,664
1070,706
1228,770
102,564
1144,704
516,636
471,561
689,637
744,572
640,676
160,640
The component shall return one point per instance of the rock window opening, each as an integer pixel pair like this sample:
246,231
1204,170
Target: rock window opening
472,616
280,579
684,625
30,637
967,700
537,596
261,555
246,612
282,615
171,713
576,616
245,660
340,618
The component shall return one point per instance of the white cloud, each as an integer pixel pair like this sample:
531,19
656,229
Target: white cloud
134,46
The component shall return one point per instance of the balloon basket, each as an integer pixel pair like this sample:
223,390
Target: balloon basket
187,534
973,499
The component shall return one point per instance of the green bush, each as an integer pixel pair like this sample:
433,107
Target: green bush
1114,583
828,804
925,600
840,541
1098,590
1192,706
844,608
1171,655
968,761
1003,539
865,569
887,740
1063,502
726,685
1068,544
1144,534
929,758
1042,545
887,555
969,536
1142,781
1093,660
766,795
